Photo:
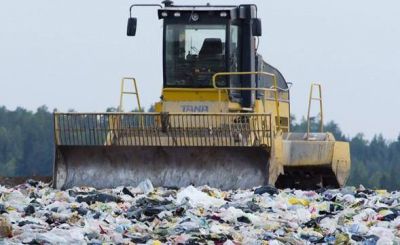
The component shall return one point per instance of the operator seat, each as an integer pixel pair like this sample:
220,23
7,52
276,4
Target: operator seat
210,61
211,48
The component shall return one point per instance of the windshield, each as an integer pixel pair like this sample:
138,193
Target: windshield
193,54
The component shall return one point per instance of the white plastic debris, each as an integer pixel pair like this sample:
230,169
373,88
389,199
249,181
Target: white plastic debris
197,215
197,198
146,186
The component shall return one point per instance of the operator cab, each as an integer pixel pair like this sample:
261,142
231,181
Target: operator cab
200,41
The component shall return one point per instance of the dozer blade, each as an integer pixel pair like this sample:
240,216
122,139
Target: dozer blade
111,166
226,151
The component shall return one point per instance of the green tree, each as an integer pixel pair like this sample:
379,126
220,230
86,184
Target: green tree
27,148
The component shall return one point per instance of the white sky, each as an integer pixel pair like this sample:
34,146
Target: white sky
71,54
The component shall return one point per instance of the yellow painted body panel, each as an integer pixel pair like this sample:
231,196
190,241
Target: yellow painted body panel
204,106
178,95
158,106
187,94
284,114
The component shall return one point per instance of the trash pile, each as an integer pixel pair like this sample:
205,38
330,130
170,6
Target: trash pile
34,213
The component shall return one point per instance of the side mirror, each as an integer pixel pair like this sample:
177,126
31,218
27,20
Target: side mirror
257,29
131,30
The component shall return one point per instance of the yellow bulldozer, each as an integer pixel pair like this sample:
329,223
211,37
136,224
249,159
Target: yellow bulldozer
223,119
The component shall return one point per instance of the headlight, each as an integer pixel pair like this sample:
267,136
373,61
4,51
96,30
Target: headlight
195,17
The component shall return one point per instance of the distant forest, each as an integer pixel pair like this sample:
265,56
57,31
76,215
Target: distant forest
26,149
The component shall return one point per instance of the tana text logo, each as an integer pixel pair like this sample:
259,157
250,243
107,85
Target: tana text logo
194,108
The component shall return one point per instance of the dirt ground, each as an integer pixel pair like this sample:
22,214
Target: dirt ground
13,181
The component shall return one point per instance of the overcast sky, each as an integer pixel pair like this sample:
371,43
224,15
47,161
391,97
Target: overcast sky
71,54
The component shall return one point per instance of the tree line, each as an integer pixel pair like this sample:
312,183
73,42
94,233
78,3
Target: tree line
27,148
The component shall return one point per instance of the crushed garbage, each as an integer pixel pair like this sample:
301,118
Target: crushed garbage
34,213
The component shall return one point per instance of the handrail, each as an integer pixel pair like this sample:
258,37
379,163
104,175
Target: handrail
123,92
163,129
310,99
151,113
275,89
